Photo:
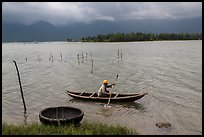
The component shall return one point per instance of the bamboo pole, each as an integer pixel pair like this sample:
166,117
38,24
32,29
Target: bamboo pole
86,56
91,66
61,56
82,56
78,56
21,90
118,54
38,57
121,55
78,59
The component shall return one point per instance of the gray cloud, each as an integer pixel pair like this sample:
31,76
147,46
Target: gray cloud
61,13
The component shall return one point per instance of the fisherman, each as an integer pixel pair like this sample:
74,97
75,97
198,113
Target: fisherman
103,91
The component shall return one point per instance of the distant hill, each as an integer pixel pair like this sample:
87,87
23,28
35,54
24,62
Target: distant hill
40,31
44,31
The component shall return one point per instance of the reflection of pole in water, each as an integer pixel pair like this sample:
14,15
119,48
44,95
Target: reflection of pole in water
50,56
25,118
91,55
39,58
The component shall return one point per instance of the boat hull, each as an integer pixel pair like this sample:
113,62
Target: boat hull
128,97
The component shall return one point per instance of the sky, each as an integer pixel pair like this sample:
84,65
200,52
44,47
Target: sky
62,13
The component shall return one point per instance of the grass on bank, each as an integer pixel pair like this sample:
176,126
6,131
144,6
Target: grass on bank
85,128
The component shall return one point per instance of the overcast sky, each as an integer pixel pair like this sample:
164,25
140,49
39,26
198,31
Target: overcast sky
61,13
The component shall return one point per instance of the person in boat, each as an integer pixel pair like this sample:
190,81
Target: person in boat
103,91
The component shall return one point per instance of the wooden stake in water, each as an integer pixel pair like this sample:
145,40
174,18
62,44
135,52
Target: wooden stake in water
82,57
92,66
39,58
78,59
78,56
61,56
86,56
121,55
21,90
50,56
118,54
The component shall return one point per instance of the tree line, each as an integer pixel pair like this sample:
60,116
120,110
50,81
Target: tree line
139,36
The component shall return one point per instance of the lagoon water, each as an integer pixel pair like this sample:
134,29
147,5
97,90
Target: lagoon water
170,71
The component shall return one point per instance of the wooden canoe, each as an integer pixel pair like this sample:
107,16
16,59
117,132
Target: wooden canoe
115,97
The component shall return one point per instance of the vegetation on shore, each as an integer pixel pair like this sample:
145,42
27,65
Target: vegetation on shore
139,36
85,128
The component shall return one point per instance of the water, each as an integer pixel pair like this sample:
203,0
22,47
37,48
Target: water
170,71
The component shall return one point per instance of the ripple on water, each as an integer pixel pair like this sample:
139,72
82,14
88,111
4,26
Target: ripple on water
171,77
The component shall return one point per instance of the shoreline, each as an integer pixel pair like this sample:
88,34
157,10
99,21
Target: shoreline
84,128
96,42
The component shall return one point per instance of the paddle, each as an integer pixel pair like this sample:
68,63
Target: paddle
116,78
110,94
109,101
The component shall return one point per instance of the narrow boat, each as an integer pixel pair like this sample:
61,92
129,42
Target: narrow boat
115,97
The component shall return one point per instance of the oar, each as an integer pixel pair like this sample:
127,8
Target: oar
116,78
110,95
109,100
107,105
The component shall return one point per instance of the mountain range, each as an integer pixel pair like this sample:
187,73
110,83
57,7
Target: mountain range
44,31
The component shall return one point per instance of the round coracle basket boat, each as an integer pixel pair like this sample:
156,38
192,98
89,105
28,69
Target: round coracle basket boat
61,115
